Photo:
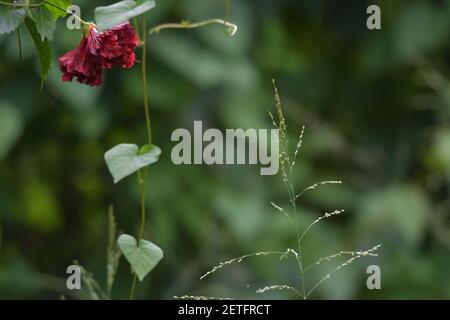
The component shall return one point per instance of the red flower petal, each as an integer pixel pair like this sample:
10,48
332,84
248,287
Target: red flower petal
83,62
98,51
117,46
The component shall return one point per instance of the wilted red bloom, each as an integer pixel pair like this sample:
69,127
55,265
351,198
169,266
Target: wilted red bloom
100,50
117,47
83,62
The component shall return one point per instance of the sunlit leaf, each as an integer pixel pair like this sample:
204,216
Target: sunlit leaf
109,16
125,159
10,18
56,13
142,258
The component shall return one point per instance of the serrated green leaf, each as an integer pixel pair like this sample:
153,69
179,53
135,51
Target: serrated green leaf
45,24
42,47
142,258
56,13
109,16
10,18
125,159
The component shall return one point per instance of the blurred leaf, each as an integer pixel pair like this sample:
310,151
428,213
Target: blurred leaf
40,206
56,13
45,24
75,95
10,18
110,16
199,65
420,28
142,258
398,213
11,125
19,279
440,151
244,215
42,47
125,159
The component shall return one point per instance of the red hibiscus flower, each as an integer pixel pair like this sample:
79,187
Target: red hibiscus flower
83,62
98,51
117,47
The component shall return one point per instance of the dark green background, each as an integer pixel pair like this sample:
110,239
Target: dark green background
376,106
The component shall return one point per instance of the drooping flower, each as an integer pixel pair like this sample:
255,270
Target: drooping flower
98,51
83,62
117,47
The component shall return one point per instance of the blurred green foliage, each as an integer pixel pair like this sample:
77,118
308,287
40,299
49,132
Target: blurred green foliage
376,105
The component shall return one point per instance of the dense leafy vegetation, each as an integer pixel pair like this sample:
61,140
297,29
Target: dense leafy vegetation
375,103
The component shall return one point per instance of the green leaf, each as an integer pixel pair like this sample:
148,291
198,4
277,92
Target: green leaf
109,16
10,18
398,211
142,258
45,24
42,47
56,13
125,159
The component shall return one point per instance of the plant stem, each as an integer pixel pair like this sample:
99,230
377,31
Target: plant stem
299,240
188,25
20,5
141,178
144,82
40,4
142,175
66,11
133,287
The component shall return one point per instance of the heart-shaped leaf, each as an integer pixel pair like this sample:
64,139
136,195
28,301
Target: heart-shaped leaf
109,16
125,159
142,258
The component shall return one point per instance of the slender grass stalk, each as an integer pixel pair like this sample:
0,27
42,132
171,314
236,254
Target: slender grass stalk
279,287
286,166
285,254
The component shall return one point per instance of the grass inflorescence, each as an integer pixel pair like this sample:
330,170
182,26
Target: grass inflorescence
287,164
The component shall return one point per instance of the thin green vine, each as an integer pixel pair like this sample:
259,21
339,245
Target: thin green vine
190,25
142,175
